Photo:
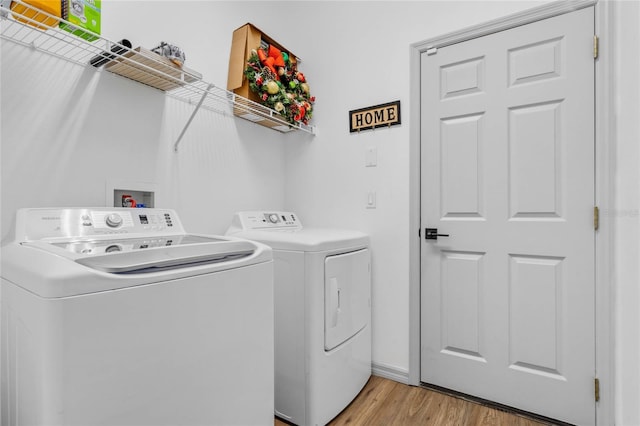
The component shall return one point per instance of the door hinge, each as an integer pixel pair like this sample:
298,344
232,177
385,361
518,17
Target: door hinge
419,233
596,389
596,46
596,218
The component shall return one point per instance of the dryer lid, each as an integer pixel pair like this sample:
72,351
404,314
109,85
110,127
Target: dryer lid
284,231
307,239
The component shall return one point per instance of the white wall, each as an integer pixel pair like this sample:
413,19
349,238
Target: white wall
66,131
625,215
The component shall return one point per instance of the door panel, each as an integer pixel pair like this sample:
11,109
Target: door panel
535,160
535,292
508,172
461,181
461,289
346,296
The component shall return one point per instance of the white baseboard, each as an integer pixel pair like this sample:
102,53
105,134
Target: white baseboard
390,372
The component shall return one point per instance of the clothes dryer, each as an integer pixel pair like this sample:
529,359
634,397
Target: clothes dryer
322,294
119,317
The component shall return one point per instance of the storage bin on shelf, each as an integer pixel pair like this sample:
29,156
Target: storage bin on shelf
245,39
149,68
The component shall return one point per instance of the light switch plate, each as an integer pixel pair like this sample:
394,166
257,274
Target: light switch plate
371,200
371,157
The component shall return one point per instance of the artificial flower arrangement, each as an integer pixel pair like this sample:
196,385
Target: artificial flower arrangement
279,85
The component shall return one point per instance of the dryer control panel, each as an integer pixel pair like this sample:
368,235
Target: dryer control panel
243,221
43,223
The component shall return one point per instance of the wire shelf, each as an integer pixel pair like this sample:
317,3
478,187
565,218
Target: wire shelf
39,30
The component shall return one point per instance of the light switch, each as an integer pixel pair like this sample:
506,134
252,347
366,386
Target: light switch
371,157
371,200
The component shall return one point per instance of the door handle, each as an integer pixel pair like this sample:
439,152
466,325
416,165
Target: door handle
432,234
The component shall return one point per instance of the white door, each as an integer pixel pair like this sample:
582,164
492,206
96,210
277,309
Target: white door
507,299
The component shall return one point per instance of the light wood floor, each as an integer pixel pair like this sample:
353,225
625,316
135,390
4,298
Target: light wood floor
384,402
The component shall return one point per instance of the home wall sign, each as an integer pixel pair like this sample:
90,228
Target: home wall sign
383,115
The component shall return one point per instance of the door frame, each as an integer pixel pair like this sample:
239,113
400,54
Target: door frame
604,181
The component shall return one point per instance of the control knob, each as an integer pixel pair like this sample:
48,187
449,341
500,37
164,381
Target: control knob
113,220
113,248
273,218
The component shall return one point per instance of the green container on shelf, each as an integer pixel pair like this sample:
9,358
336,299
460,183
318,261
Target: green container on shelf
83,16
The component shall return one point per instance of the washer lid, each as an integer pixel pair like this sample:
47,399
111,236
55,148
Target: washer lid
168,258
94,247
64,270
60,252
307,239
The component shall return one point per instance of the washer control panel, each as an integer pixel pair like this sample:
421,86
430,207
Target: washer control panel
266,220
38,224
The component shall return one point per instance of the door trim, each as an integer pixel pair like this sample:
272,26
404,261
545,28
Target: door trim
605,137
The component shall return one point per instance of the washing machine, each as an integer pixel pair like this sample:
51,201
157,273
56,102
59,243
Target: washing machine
114,316
322,292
